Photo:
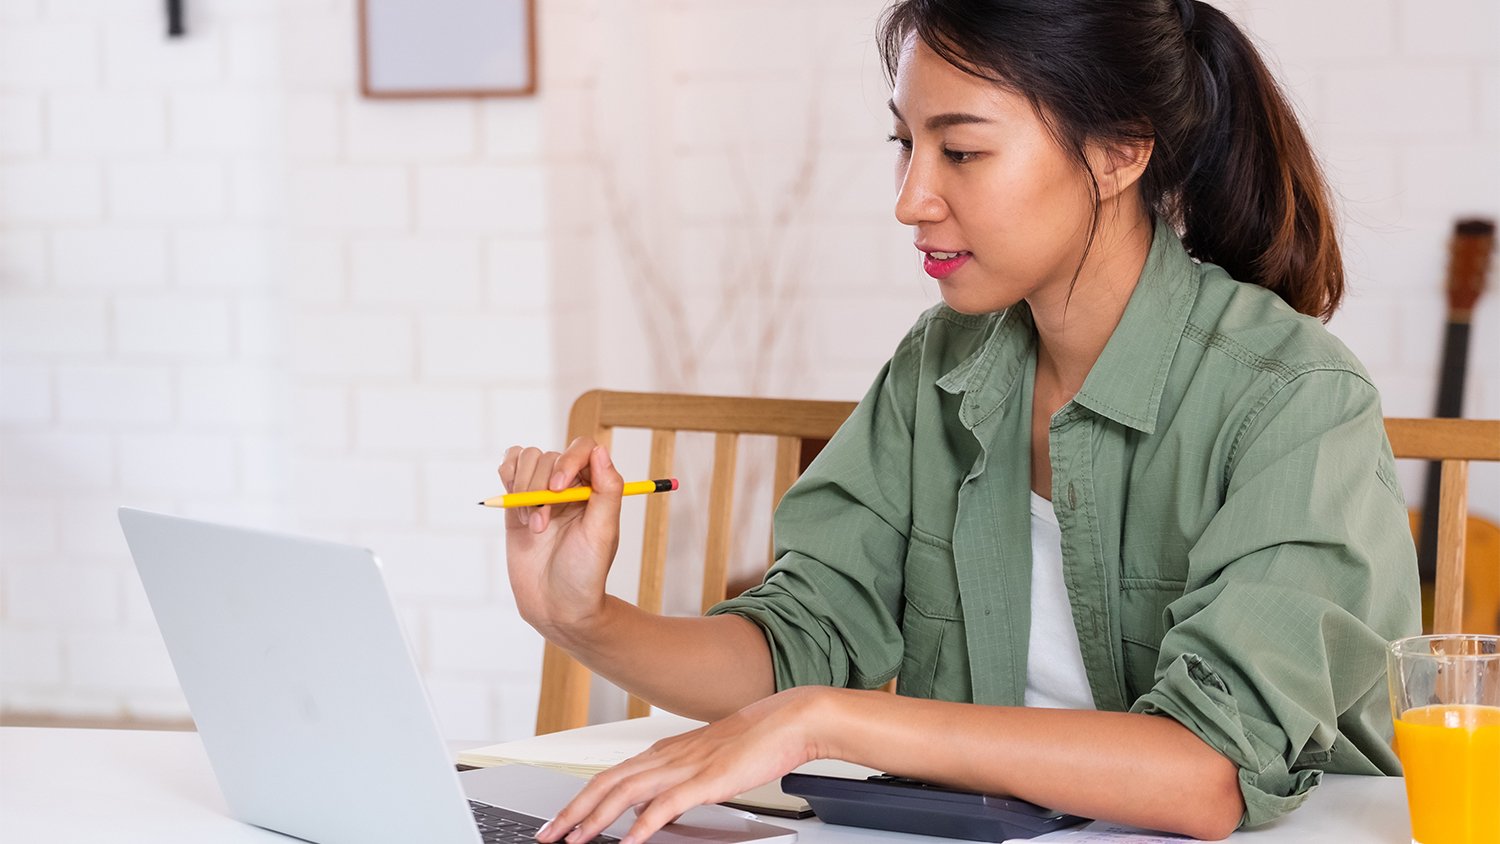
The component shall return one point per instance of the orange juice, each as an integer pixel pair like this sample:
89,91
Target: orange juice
1451,755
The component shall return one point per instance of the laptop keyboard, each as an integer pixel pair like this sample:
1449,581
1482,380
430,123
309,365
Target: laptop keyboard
502,826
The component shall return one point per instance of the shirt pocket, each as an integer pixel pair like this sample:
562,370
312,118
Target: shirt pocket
931,578
1143,626
931,624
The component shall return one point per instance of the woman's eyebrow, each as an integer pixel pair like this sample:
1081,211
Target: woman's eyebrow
942,121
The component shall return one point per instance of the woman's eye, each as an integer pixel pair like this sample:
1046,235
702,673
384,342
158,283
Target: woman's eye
958,157
904,142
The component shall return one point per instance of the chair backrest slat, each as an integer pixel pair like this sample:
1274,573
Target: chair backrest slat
720,519
1453,515
654,543
658,511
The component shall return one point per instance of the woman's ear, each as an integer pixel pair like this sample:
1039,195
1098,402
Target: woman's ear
1118,165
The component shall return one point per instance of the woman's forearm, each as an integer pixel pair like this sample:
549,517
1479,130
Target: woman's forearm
704,668
1145,770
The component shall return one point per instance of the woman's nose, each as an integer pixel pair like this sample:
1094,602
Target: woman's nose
916,199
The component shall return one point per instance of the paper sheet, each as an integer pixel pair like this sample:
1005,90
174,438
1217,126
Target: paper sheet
1100,832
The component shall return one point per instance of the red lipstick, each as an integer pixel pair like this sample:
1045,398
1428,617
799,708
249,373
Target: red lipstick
941,268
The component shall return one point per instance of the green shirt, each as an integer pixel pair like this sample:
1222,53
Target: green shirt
1234,540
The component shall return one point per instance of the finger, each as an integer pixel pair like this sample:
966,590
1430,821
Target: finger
507,468
514,519
641,787
666,808
582,804
540,516
589,797
574,460
602,515
525,463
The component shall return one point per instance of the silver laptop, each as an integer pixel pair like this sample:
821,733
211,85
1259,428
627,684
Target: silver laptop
310,706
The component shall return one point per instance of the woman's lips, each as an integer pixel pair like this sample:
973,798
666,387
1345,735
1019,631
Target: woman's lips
941,268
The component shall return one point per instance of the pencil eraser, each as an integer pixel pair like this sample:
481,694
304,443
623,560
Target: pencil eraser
674,483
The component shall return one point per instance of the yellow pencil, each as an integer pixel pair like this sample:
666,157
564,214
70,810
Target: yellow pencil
536,498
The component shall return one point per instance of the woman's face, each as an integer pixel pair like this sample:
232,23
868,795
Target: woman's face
979,174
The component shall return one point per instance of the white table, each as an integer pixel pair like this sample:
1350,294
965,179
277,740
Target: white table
139,786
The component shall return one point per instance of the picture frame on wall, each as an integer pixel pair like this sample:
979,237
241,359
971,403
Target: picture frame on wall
447,48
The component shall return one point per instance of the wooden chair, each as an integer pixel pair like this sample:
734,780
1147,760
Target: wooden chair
801,429
1467,589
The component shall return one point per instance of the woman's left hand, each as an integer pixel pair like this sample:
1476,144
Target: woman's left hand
753,746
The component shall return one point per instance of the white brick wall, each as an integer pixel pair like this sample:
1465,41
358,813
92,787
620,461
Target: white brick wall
114,393
429,420
20,125
137,264
176,190
25,393
383,130
109,257
170,325
352,345
52,193
99,123
232,288
509,200
342,197
413,272
216,122
37,327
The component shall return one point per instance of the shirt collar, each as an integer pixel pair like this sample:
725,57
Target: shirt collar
1126,382
989,375
1130,375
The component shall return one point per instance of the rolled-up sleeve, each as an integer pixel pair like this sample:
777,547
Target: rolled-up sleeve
831,605
1274,655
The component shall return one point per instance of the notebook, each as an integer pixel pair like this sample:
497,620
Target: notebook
309,703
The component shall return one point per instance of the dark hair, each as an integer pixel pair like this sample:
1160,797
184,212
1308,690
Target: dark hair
1231,168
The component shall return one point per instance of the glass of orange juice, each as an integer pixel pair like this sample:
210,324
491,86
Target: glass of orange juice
1445,697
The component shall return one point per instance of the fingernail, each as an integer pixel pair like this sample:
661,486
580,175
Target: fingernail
557,481
524,516
543,831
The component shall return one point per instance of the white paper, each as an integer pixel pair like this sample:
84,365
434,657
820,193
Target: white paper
1101,832
592,748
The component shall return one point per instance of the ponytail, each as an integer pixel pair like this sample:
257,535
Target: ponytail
1252,198
1230,166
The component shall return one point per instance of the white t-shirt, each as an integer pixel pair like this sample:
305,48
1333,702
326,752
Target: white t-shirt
1054,662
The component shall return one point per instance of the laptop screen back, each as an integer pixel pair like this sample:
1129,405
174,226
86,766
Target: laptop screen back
305,694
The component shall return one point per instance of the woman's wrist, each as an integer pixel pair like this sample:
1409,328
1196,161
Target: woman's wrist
583,631
822,714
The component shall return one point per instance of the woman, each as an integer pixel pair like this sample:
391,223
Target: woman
1217,544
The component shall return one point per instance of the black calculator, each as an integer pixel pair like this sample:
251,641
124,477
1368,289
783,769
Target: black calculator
907,805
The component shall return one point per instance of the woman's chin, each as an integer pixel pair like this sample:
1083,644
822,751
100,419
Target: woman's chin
966,303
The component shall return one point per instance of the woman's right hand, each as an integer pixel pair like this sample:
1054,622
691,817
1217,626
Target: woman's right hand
559,555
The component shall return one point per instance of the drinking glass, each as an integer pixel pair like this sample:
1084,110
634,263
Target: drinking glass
1445,699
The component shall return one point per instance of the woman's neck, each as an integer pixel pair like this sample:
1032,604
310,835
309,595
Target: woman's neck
1073,326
